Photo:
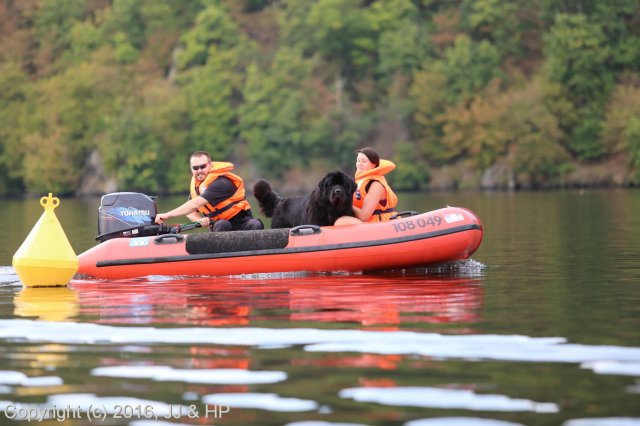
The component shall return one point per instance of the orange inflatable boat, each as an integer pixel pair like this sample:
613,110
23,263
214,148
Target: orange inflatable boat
412,240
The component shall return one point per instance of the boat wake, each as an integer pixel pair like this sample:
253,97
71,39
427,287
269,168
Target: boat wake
465,268
468,268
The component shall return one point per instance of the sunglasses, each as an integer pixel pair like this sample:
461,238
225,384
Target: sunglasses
200,167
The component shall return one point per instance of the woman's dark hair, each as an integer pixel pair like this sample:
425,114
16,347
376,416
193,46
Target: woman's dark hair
371,155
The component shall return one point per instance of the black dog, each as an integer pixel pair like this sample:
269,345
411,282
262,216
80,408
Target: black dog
331,199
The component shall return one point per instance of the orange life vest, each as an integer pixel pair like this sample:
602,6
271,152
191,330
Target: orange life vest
386,208
229,207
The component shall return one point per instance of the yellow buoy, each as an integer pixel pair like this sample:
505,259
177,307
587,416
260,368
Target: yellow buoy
46,258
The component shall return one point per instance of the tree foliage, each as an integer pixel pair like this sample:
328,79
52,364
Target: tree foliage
276,116
532,88
498,22
622,126
14,111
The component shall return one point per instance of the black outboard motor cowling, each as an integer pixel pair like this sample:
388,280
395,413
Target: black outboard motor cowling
128,214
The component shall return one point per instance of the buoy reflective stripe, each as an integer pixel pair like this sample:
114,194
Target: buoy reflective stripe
46,258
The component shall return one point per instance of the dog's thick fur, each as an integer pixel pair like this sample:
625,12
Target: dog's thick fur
331,199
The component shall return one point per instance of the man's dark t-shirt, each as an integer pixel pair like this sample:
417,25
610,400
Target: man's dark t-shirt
219,190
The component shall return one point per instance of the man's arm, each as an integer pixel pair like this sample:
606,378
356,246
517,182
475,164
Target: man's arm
188,209
219,190
195,216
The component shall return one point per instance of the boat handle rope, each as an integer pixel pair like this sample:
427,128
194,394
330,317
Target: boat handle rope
305,230
168,239
407,213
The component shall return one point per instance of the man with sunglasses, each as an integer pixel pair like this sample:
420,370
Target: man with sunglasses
217,197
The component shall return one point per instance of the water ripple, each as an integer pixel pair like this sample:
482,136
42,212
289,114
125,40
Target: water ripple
18,378
8,276
209,376
468,347
459,421
430,397
265,401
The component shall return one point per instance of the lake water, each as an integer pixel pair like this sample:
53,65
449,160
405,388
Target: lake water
540,327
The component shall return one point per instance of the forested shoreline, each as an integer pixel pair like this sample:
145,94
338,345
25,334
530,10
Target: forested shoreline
105,95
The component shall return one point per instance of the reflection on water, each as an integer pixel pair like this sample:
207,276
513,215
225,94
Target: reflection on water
476,349
372,301
212,339
47,303
540,328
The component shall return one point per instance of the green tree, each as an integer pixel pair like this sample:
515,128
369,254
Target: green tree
212,79
622,126
166,115
618,20
632,140
441,90
483,84
83,39
210,96
291,18
131,26
402,41
469,67
274,115
536,154
474,129
412,173
428,96
496,21
577,54
252,6
342,131
14,112
342,33
134,149
70,117
53,21
127,20
213,27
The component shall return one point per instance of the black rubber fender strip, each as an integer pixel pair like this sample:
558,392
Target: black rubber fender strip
231,242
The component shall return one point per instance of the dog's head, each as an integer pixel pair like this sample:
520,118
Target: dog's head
337,188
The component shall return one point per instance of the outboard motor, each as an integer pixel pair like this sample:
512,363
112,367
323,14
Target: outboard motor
128,214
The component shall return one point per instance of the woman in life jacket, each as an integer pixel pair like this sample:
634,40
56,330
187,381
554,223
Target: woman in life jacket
374,200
